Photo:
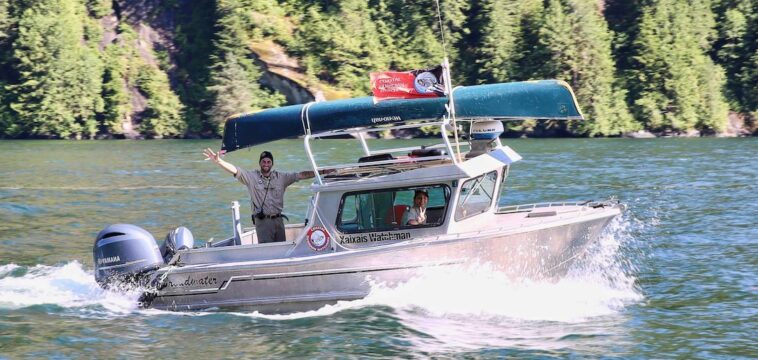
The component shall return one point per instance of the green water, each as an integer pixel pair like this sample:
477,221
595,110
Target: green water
675,277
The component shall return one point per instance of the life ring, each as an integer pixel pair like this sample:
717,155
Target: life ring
318,238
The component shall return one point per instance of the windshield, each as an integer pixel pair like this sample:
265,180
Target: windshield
476,196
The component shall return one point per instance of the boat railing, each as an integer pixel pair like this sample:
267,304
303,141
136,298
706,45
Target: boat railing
356,131
410,148
531,207
385,162
610,202
399,164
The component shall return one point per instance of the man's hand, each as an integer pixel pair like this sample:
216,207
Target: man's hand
216,158
210,155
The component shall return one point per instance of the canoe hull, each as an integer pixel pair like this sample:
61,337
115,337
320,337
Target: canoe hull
544,99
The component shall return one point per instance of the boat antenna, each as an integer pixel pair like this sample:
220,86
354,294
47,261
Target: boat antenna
442,29
448,85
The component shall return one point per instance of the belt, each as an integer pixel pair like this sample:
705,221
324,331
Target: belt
263,216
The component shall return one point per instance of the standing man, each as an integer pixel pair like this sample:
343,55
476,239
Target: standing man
266,188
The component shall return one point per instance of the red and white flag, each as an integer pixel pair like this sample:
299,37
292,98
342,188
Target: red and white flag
407,84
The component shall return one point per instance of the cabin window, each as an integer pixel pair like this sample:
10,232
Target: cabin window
382,210
476,196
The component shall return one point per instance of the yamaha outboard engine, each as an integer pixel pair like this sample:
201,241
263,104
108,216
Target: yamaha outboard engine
122,252
178,239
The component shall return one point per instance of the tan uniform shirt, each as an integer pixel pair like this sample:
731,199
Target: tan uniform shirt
266,193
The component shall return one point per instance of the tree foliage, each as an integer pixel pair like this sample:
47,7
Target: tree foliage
60,78
5,21
578,44
505,42
99,8
163,115
234,77
118,68
669,66
736,49
233,92
677,87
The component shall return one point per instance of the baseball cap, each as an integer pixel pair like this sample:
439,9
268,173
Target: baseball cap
266,154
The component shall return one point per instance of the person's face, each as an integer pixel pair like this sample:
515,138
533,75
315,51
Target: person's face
266,165
420,200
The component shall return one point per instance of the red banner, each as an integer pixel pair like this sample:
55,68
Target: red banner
407,84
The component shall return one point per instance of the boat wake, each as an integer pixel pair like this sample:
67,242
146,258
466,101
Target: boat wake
67,286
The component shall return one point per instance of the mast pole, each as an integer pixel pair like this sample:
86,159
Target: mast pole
448,83
451,107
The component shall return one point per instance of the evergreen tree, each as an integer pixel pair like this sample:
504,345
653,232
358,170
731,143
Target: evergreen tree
455,22
5,20
60,78
232,93
676,86
579,43
504,40
356,50
117,109
194,45
99,8
232,59
163,115
163,112
350,44
497,55
356,38
623,18
737,51
412,33
7,126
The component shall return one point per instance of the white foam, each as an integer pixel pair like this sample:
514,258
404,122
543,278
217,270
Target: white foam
7,269
477,307
68,286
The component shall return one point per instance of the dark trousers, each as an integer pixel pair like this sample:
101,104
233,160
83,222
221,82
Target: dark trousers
270,230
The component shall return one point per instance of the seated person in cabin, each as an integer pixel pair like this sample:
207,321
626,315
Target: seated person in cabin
417,213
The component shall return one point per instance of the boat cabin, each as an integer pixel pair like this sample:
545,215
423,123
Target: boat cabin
368,203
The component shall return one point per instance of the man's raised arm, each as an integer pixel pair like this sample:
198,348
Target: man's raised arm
216,158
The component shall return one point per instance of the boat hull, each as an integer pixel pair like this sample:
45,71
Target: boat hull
308,283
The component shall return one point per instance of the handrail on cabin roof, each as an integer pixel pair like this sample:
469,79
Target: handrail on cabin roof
362,131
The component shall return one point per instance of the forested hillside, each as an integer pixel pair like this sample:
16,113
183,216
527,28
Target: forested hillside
177,68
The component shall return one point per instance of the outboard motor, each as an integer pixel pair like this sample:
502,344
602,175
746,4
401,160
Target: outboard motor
122,252
178,239
485,136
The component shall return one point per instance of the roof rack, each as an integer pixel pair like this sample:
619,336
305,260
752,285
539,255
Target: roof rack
384,165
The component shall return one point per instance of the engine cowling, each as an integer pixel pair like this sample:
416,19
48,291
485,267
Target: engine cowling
178,239
122,252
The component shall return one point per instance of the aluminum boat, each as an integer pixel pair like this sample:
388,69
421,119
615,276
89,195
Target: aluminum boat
354,235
